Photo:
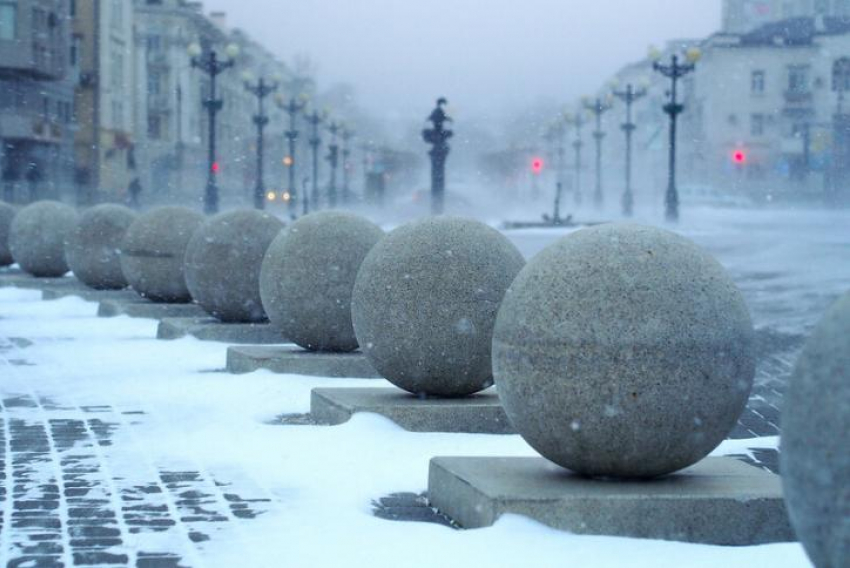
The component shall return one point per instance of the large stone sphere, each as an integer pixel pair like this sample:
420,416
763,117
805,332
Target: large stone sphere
93,246
425,302
814,458
7,213
37,237
223,263
623,351
308,277
152,253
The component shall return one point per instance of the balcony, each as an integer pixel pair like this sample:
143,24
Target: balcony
30,127
798,104
35,60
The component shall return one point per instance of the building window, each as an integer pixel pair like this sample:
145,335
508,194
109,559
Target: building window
757,124
798,79
757,82
154,127
841,75
8,21
154,82
117,14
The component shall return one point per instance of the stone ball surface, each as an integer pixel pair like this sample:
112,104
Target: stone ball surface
623,351
814,456
152,253
7,213
223,263
92,249
425,302
37,237
308,275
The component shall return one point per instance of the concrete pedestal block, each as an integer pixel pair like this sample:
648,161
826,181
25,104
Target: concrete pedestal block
142,308
476,414
86,293
211,329
719,501
20,279
294,360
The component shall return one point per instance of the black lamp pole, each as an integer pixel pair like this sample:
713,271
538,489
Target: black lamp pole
674,72
346,137
438,137
333,159
261,90
212,66
315,118
292,108
578,122
629,96
598,107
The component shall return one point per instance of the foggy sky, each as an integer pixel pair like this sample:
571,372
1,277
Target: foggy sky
486,56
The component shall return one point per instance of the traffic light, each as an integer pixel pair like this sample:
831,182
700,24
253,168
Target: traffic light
537,165
739,157
215,167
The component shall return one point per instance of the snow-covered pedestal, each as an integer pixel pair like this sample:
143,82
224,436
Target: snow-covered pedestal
139,307
55,292
480,413
718,501
211,329
290,359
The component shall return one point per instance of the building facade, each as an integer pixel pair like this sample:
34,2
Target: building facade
105,114
36,100
769,115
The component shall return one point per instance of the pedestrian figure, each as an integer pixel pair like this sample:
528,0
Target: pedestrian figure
134,190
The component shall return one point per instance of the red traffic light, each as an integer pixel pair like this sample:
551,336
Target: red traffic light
537,165
215,167
739,157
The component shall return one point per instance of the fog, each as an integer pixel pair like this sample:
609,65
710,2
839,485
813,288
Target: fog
485,56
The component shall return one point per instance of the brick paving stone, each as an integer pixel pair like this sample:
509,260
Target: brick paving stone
63,504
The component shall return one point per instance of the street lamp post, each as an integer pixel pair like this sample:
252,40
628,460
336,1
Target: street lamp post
314,119
674,71
578,122
261,90
210,64
333,159
292,108
598,107
438,137
629,96
347,135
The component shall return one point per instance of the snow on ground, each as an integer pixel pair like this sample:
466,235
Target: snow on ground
169,408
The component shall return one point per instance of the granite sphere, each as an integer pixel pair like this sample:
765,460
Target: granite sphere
308,274
7,213
223,263
623,351
37,237
92,249
814,456
152,253
425,302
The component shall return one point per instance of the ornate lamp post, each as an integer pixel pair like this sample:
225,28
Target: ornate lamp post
629,96
577,120
346,136
333,159
674,71
438,137
314,119
292,108
210,64
598,107
261,90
